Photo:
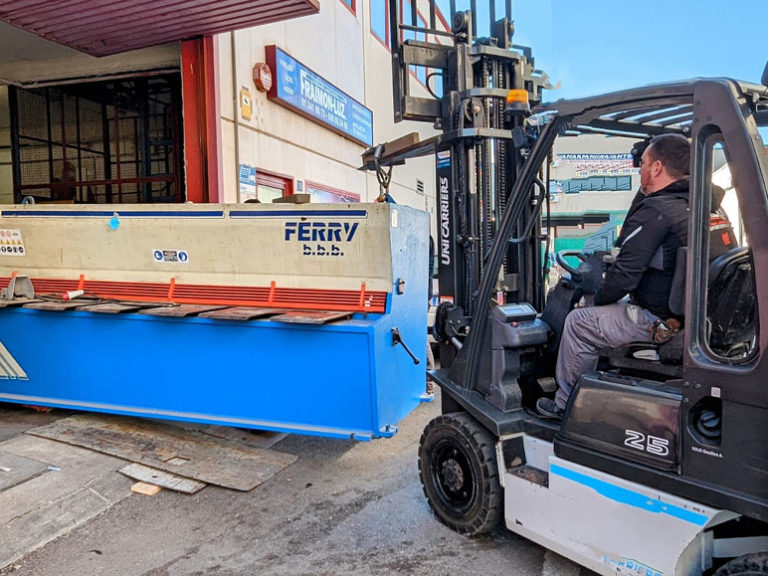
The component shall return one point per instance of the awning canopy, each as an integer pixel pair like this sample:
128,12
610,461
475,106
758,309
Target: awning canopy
103,27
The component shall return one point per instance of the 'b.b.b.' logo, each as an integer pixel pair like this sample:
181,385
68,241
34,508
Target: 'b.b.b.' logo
321,238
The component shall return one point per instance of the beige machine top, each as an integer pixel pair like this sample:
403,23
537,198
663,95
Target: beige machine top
313,246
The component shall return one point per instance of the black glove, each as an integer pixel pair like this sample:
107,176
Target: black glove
590,275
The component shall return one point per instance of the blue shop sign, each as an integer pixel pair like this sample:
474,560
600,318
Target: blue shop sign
299,88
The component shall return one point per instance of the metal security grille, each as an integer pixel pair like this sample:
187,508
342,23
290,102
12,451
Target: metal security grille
105,142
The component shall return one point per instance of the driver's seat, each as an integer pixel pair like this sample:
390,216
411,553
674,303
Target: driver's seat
730,314
665,359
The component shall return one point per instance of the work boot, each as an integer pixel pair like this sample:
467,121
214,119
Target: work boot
547,408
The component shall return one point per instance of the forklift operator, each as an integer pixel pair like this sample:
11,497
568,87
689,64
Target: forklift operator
654,230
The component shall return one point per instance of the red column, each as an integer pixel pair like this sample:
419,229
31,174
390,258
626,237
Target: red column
202,134
212,119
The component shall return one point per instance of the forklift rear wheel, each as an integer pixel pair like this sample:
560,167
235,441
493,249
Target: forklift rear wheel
748,565
458,470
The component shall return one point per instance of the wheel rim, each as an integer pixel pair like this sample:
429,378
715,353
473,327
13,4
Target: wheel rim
453,477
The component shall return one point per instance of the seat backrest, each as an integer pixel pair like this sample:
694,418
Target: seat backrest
731,303
677,289
725,261
731,317
720,272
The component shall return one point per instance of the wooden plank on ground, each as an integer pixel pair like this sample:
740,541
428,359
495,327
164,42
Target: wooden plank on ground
147,475
311,317
145,489
166,447
241,313
180,310
255,438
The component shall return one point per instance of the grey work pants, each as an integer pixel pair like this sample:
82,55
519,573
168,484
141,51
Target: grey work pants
589,329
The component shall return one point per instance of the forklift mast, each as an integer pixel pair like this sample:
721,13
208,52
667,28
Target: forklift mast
481,89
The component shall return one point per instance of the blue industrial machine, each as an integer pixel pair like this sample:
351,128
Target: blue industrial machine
309,319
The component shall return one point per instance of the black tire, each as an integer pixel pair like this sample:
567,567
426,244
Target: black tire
748,565
458,470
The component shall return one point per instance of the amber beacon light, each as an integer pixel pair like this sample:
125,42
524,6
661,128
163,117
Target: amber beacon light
517,100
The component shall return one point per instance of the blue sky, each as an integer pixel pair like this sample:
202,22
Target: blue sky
595,46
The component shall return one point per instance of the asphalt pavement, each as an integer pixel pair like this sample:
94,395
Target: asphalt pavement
343,507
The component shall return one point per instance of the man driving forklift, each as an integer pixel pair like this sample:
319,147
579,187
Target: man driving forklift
655,228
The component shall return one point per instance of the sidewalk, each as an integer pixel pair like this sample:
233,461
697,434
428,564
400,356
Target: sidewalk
59,470
51,488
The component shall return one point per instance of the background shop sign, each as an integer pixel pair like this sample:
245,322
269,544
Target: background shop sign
300,89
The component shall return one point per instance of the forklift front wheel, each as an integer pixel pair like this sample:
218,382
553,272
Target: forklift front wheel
748,565
458,470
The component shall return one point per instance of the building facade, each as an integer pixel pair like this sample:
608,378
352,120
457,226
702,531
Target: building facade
286,107
331,98
592,185
194,120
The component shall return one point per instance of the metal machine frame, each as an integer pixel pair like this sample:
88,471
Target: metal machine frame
307,319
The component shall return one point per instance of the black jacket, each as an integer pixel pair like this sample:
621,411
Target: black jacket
655,228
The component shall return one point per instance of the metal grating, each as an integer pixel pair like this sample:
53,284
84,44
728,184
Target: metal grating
100,142
103,27
261,296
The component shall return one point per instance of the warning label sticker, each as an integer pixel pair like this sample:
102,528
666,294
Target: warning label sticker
170,256
11,243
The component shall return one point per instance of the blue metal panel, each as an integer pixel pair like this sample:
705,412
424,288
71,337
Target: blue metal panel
410,262
261,374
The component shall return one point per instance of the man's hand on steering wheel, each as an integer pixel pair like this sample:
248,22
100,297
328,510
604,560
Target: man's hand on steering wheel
589,274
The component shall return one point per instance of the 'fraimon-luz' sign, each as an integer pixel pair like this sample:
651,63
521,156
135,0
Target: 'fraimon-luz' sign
300,89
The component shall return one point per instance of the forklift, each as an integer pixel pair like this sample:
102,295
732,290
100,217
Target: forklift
659,465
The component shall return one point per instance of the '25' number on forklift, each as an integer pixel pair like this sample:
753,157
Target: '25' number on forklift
646,443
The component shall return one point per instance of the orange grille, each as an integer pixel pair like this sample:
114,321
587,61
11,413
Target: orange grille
272,296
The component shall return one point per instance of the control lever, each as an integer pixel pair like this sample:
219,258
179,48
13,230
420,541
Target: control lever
397,338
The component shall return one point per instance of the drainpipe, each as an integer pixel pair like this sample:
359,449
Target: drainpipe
236,110
365,43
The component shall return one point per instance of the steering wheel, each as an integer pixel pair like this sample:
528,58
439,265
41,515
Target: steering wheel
560,257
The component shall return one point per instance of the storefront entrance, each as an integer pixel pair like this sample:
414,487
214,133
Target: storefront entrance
119,141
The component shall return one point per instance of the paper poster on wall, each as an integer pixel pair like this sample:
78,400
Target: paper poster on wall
247,181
